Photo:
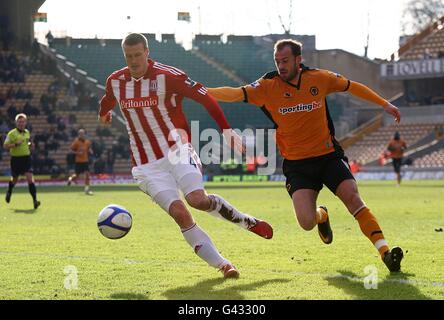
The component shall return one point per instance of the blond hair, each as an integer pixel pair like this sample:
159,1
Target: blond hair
19,116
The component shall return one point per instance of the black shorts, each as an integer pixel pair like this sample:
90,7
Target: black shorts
20,165
313,173
397,164
81,167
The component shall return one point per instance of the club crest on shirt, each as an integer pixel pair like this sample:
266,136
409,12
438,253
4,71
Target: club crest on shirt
287,95
314,91
153,85
255,84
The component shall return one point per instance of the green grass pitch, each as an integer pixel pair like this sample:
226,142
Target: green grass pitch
59,245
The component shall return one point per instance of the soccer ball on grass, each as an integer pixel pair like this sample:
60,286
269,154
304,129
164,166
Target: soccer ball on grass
114,221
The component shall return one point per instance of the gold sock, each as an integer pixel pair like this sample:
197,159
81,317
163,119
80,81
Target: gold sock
370,228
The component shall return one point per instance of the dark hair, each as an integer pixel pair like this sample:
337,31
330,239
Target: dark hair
135,38
397,136
295,46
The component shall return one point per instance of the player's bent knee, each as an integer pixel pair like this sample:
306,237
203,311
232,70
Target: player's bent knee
165,199
198,200
180,214
307,223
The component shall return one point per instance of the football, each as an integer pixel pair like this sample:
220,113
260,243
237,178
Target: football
114,221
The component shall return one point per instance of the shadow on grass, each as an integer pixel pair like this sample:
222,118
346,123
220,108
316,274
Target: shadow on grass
128,296
25,211
205,290
394,287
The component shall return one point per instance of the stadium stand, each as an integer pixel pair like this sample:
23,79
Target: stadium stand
239,53
99,58
246,56
421,104
434,159
53,116
368,149
427,44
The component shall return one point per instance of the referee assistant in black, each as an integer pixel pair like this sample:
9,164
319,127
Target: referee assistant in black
19,145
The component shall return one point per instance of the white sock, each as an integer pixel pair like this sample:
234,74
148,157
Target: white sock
220,208
203,246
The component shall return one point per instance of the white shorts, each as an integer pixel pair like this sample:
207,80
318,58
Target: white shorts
180,170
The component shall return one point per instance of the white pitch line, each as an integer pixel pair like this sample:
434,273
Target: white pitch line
420,282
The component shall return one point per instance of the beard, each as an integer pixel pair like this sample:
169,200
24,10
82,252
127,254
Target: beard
289,76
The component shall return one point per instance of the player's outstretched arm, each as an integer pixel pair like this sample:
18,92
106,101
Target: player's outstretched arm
227,94
107,103
106,119
361,91
234,141
201,94
392,110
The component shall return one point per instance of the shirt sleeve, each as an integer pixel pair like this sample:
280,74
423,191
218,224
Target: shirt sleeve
336,82
194,90
9,139
74,146
108,101
256,93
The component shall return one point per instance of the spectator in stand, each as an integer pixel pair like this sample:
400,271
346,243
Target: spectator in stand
11,93
61,123
54,87
71,86
72,118
102,131
100,165
50,38
110,159
2,99
60,136
98,148
74,132
30,110
11,112
51,118
35,51
439,132
427,54
52,144
20,94
7,37
4,128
